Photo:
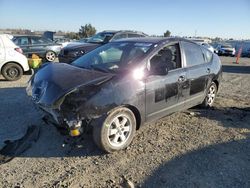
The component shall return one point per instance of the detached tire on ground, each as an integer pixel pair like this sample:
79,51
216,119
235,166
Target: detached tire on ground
210,95
12,71
50,56
117,130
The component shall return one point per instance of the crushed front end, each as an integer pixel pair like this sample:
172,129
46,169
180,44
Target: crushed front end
64,101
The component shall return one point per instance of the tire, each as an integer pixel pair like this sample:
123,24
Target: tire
210,95
12,71
117,130
50,56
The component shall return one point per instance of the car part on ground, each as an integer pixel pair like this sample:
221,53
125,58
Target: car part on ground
124,84
12,62
73,51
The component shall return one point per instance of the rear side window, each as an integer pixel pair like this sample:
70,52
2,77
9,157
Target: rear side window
38,40
208,55
35,40
120,36
193,53
21,41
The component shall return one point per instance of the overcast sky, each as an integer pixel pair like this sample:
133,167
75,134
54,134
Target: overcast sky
222,18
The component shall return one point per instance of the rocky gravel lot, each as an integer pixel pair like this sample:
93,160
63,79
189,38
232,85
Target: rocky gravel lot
194,148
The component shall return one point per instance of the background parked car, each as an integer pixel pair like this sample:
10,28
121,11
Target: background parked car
72,52
41,46
12,62
246,53
225,49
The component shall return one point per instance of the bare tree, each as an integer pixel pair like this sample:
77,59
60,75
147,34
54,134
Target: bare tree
167,33
87,31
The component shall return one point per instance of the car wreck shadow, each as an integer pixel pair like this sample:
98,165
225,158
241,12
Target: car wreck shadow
236,69
24,134
44,141
233,117
218,165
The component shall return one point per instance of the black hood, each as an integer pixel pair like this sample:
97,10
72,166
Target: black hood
82,45
55,80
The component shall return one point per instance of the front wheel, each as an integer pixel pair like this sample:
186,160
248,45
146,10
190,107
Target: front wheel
117,130
12,71
50,56
210,96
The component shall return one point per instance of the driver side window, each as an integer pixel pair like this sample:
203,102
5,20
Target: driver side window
169,56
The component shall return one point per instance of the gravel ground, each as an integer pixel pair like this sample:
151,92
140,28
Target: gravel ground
194,148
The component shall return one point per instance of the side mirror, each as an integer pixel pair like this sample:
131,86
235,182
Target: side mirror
158,68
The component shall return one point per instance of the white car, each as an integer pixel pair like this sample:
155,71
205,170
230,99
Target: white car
12,62
226,50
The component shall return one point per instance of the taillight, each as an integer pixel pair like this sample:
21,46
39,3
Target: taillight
19,50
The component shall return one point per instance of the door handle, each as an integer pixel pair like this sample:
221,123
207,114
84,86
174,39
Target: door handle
208,70
181,78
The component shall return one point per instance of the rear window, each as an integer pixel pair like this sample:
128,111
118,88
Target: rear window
21,41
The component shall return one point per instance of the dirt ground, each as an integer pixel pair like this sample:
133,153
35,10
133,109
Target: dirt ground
194,148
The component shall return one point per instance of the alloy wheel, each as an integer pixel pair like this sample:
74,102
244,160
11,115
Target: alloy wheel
119,130
50,56
211,94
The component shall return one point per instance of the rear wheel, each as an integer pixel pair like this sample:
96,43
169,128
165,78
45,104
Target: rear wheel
12,71
210,96
117,130
50,56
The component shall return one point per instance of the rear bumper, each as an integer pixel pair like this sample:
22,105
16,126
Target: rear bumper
227,53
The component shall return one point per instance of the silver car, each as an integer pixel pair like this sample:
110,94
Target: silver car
41,46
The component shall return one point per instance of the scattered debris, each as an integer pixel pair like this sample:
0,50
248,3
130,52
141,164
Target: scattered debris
17,147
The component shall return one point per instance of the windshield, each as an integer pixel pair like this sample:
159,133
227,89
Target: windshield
114,57
100,37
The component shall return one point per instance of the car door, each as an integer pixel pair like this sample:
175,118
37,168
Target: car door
38,46
198,72
166,93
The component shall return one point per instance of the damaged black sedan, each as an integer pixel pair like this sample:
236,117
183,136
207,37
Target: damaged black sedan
122,85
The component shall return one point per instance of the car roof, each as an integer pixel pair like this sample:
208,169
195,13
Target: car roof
28,36
154,40
7,42
123,31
